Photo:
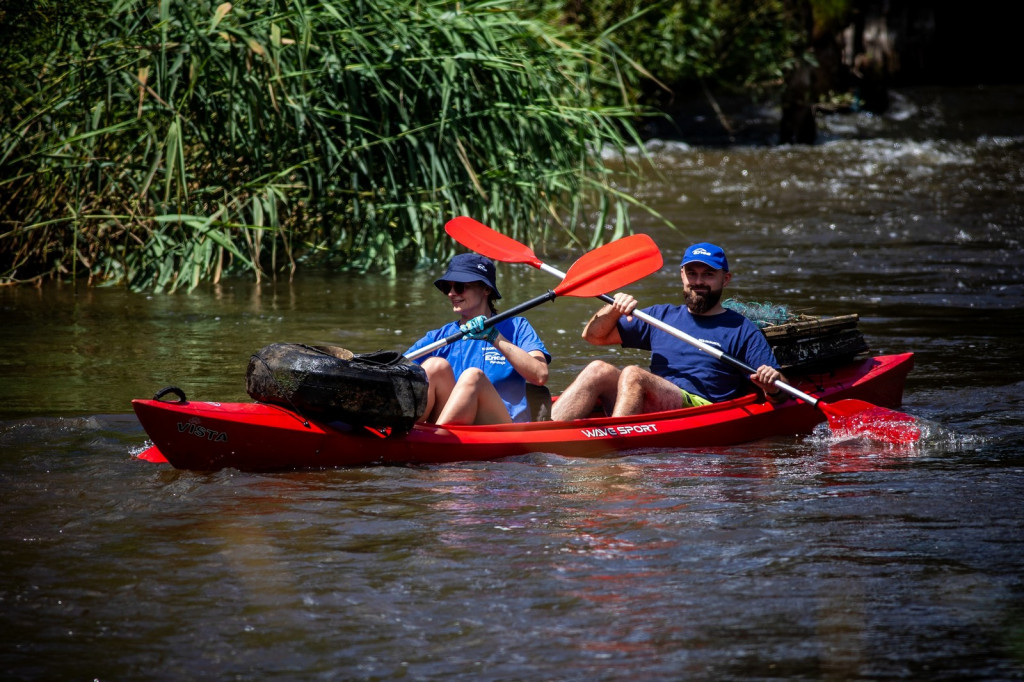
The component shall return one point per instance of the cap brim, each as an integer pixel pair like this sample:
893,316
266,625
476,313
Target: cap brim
698,260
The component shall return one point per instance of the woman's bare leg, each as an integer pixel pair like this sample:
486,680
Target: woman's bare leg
474,400
440,382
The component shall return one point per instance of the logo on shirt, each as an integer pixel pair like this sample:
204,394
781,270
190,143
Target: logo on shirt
494,357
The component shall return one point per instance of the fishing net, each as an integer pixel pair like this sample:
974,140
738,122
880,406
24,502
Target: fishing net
763,314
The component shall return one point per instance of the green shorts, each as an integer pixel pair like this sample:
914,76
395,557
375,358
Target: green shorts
692,400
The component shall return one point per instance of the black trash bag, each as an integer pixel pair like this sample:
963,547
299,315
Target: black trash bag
381,390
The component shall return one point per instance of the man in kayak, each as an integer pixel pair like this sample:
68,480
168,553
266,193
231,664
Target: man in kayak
480,379
680,375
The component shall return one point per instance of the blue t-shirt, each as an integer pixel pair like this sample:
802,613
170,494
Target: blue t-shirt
691,368
467,353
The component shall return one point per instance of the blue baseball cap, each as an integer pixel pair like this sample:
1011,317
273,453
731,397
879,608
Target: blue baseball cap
708,254
469,267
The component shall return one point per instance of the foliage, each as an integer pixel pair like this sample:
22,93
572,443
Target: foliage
741,45
830,16
164,142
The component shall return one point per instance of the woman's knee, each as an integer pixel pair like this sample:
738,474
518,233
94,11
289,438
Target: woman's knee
437,367
434,363
472,376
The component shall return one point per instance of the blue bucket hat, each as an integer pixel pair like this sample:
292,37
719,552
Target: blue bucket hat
469,267
708,254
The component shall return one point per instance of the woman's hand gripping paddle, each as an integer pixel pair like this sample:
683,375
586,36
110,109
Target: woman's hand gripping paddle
607,268
847,418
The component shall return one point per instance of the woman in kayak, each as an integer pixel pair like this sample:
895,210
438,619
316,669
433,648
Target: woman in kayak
482,378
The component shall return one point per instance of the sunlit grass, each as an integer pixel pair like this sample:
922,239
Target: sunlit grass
164,144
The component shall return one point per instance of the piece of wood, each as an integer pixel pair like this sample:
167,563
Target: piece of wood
816,343
806,326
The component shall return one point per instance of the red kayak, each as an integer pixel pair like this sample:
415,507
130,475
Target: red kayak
262,437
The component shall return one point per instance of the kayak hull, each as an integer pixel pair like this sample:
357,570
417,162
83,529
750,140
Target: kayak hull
262,437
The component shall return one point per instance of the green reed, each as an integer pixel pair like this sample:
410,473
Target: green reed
165,143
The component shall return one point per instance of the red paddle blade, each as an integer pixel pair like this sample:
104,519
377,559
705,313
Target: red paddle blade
611,267
476,236
860,419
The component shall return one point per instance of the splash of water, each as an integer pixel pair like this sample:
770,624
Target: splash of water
931,437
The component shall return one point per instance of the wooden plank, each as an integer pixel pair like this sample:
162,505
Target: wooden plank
811,326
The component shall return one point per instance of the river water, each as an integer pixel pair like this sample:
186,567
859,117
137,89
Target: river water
793,558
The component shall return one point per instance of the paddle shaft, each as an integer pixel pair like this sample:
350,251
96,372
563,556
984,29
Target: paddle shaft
490,322
696,343
609,267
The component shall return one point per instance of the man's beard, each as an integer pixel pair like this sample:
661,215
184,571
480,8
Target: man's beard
699,302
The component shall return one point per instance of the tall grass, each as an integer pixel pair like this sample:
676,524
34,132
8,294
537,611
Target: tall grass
163,143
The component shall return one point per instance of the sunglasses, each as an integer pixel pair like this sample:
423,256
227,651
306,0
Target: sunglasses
458,286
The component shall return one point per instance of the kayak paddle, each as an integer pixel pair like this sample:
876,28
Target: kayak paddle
609,267
847,418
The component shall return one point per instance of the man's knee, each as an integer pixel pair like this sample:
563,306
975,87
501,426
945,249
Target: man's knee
633,372
633,375
599,371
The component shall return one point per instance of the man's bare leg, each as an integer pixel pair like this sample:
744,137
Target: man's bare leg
640,392
597,382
